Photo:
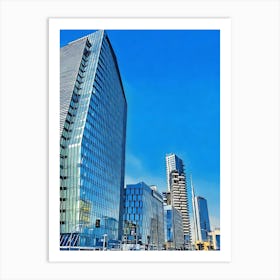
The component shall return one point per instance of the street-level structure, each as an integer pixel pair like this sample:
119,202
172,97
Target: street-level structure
214,237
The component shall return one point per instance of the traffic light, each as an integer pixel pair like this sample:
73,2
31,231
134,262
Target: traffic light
97,223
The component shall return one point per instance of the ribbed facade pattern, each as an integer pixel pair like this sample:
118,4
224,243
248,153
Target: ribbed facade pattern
92,142
70,58
180,199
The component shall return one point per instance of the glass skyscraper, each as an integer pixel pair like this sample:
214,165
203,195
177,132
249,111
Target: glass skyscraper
143,216
173,162
202,218
93,112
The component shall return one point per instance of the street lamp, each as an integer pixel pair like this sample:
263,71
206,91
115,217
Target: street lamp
104,240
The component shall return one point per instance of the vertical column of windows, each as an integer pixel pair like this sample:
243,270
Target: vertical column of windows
69,179
101,161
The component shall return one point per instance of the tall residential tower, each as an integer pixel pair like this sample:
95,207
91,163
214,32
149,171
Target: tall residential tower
177,187
173,162
93,113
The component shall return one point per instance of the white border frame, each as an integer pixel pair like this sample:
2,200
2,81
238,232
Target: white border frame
224,25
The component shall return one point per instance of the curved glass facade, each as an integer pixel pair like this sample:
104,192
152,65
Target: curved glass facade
93,149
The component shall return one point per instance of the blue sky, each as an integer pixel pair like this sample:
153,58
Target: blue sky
172,85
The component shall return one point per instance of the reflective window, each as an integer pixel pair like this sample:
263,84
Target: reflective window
93,147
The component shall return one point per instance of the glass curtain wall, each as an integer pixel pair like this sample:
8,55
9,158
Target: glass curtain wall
93,149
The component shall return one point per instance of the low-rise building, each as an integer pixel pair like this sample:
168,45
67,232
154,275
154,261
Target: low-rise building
173,228
143,217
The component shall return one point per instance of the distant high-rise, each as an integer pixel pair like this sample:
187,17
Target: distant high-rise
173,162
201,218
179,200
93,113
177,187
